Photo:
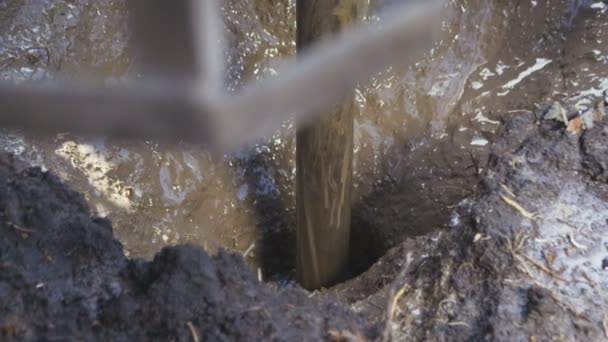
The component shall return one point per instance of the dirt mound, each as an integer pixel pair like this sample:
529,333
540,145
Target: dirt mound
64,277
525,262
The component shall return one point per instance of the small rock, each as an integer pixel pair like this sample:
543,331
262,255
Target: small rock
115,288
588,118
593,115
344,336
575,126
605,264
600,109
556,112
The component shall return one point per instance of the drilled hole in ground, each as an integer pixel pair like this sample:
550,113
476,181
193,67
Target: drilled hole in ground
396,212
419,201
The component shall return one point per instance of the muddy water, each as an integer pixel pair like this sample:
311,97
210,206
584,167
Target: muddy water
422,134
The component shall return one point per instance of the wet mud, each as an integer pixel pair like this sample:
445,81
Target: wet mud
159,194
526,259
476,217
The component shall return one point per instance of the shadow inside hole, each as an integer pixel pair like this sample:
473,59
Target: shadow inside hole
275,226
395,212
418,200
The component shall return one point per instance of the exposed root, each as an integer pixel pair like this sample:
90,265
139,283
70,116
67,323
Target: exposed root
22,229
569,307
391,311
512,111
458,323
453,324
509,192
193,331
517,243
514,247
27,55
518,207
396,298
576,243
480,237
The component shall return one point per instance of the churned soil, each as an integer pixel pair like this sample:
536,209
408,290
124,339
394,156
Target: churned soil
526,259
63,276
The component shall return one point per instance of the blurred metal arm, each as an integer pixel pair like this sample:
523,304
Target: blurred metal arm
164,40
188,111
206,23
178,39
140,112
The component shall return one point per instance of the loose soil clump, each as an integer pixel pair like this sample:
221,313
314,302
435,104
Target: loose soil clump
64,277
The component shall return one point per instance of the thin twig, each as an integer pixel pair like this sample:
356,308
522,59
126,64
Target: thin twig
543,268
24,230
248,250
